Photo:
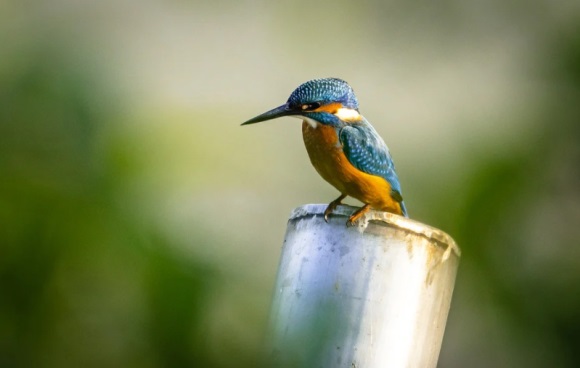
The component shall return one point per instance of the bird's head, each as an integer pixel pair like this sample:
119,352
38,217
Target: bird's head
328,101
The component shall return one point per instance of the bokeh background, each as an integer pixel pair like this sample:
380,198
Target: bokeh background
140,225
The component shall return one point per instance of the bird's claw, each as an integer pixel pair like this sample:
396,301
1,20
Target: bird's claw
357,215
327,212
332,206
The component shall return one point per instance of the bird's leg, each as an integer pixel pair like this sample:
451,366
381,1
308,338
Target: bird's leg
332,206
358,214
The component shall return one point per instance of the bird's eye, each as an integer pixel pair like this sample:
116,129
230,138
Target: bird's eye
310,106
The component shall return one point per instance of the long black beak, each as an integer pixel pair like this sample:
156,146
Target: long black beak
279,111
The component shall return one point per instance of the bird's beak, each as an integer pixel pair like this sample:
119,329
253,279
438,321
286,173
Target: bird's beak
279,111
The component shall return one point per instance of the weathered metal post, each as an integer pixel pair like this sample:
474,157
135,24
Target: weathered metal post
373,296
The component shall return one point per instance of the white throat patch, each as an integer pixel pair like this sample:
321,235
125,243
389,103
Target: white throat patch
313,123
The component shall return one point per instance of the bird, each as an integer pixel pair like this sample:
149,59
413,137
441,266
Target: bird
343,146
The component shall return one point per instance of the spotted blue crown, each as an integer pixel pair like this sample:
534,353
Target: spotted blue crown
324,90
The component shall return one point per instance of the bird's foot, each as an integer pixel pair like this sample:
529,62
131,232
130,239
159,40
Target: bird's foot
332,206
357,215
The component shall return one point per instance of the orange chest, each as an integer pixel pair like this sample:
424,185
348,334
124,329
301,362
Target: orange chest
325,152
321,142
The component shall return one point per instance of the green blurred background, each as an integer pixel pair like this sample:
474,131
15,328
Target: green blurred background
140,225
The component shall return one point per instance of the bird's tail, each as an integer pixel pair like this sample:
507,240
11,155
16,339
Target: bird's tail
403,209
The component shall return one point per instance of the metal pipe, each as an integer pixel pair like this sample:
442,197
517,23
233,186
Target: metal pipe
376,295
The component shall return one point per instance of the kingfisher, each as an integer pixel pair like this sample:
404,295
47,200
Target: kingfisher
343,146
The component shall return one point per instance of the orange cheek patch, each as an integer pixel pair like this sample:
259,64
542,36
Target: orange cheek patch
330,108
343,113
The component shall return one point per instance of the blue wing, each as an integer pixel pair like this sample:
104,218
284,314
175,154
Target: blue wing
367,151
